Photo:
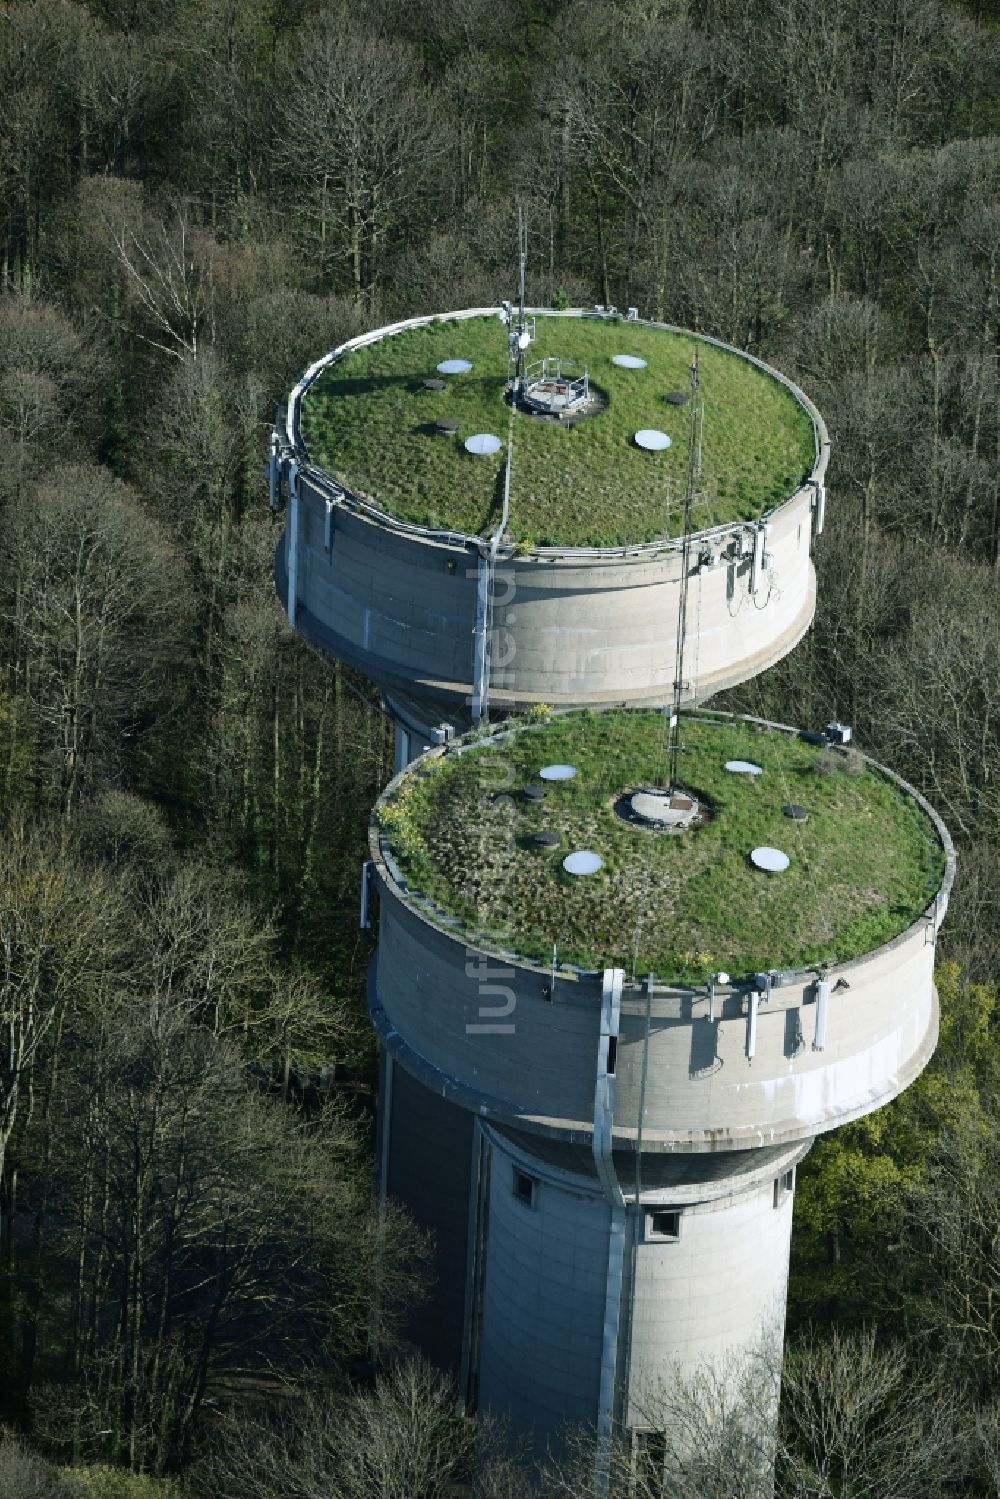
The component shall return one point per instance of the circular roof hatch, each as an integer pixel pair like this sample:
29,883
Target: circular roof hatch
482,444
557,772
583,861
770,860
652,439
744,768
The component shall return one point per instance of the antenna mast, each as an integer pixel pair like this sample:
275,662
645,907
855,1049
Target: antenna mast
693,474
521,342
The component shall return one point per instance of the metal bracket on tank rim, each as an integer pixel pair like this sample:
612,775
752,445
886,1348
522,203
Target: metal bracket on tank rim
365,922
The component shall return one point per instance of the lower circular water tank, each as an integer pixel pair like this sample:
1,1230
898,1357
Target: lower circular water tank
767,1059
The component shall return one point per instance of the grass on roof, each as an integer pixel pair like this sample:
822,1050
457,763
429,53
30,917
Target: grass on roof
682,906
368,421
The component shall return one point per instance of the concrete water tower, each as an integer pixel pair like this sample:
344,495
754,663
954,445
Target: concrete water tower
615,1006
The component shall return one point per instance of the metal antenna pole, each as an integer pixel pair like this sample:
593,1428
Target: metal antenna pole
522,250
693,468
701,441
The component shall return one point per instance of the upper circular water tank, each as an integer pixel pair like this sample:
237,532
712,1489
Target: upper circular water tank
422,567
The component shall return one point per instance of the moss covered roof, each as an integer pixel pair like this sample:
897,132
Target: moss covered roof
683,905
368,420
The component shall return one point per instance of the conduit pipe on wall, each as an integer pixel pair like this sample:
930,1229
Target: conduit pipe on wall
366,890
604,1109
484,597
757,564
272,470
822,1013
753,1004
293,541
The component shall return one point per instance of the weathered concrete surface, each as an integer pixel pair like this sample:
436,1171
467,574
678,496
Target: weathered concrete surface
543,1301
545,1285
573,626
569,630
429,1148
702,1093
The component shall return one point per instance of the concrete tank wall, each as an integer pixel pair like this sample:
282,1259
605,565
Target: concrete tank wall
575,629
480,1028
400,608
882,1029
444,1001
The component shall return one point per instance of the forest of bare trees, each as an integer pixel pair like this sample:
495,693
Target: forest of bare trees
198,1289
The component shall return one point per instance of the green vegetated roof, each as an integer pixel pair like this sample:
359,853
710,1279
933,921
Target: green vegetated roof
370,423
680,905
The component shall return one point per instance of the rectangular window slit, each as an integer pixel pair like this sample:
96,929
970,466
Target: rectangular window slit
663,1223
784,1185
524,1187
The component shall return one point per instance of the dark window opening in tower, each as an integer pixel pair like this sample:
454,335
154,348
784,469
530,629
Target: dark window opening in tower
783,1186
663,1223
650,1461
524,1188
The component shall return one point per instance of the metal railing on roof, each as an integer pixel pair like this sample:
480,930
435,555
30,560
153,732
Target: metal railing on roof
295,446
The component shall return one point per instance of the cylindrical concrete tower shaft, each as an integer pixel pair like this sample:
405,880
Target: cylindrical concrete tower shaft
525,1266
545,1278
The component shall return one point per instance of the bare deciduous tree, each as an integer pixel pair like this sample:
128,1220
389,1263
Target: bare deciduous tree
218,1238
92,600
399,1439
359,136
57,931
169,280
863,1422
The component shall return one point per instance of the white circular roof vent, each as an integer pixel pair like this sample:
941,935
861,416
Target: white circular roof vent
771,860
482,444
454,366
652,439
583,861
628,361
557,772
